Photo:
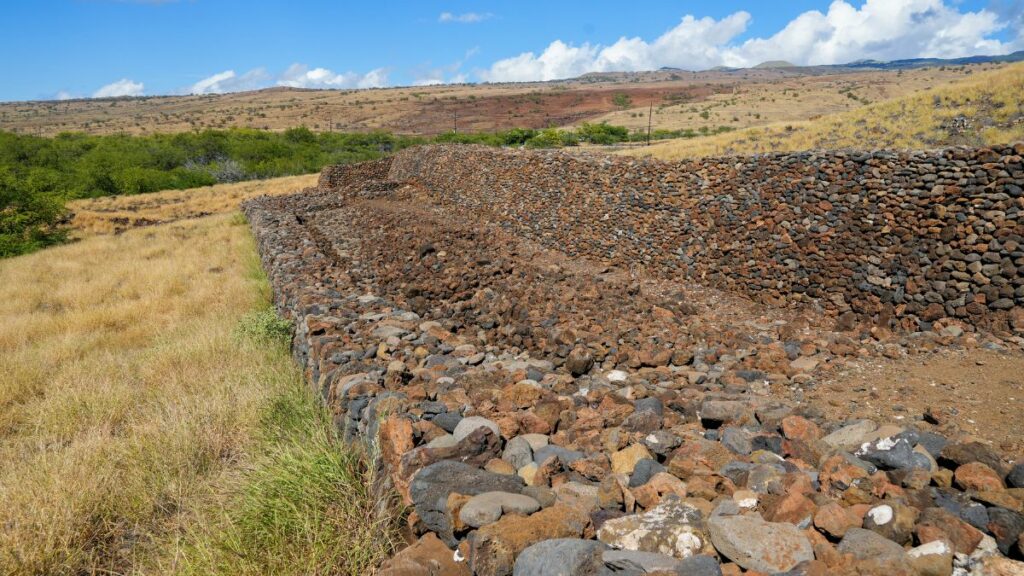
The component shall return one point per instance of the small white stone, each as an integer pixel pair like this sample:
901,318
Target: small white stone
688,544
881,515
931,548
617,376
747,503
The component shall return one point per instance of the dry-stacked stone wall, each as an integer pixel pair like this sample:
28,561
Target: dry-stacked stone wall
354,176
541,415
910,236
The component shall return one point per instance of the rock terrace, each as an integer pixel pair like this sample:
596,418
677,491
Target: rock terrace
554,391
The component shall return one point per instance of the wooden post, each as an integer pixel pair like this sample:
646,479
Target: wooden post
650,112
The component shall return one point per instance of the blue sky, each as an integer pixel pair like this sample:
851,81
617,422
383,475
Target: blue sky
84,48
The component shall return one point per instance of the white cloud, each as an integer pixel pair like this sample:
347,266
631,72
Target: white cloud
301,76
64,95
465,18
123,87
228,81
879,29
450,74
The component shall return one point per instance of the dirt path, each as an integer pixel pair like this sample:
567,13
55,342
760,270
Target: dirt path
977,391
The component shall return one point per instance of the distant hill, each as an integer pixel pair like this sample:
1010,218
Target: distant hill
920,62
774,64
980,110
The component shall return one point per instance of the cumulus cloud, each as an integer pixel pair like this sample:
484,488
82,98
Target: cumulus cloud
301,76
450,74
228,81
64,95
123,87
879,29
465,18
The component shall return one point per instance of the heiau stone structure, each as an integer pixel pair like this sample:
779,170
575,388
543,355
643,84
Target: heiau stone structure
922,234
530,340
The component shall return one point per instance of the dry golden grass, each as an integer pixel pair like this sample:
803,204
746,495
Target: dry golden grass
111,214
140,434
761,102
991,103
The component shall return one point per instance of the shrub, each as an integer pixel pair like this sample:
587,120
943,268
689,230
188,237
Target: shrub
602,133
552,138
264,326
29,214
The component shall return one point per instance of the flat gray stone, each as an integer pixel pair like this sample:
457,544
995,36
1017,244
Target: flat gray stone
699,566
518,452
866,545
467,425
561,557
621,560
385,332
850,437
758,545
564,454
536,441
487,508
446,441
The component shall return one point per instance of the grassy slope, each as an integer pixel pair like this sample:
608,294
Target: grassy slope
141,434
110,214
991,102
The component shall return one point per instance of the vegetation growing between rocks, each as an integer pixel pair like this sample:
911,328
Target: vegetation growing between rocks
144,431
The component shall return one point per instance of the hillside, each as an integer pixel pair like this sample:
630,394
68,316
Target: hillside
981,110
736,98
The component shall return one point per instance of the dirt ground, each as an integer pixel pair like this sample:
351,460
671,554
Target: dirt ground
975,391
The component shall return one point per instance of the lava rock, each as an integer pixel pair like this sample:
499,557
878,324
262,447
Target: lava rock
758,545
561,557
431,486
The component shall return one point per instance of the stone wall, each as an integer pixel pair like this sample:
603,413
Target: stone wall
354,176
902,237
525,437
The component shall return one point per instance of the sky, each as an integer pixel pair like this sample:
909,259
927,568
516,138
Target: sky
59,49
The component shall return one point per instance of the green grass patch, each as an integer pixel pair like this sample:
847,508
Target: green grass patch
264,326
306,506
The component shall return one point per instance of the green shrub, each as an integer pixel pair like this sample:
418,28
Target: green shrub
264,326
552,138
602,133
29,213
622,100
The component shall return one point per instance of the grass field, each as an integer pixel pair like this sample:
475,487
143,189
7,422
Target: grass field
152,421
115,214
984,109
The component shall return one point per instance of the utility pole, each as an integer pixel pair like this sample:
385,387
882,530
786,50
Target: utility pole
650,112
456,120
